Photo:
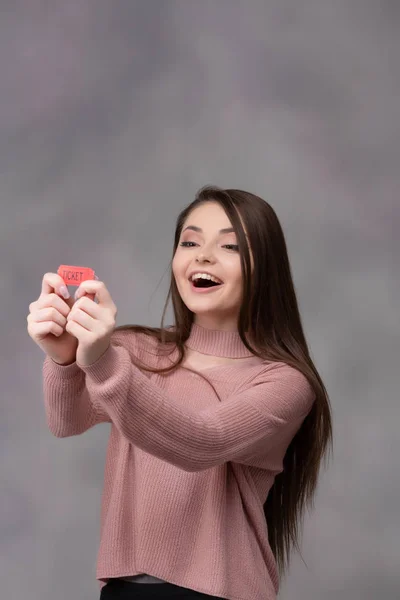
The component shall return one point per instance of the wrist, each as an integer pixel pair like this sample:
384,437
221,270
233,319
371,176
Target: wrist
90,358
63,364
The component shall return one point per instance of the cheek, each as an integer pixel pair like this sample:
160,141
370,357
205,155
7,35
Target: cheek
179,267
235,290
235,274
175,265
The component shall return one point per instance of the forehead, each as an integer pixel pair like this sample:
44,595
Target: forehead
209,216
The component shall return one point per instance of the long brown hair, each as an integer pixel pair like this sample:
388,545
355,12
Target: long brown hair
270,315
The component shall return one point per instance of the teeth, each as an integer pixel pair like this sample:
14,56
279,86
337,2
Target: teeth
205,276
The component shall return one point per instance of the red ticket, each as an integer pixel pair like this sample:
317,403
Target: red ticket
75,275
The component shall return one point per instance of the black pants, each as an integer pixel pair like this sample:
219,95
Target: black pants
118,589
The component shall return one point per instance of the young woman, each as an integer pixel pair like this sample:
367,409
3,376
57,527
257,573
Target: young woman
219,423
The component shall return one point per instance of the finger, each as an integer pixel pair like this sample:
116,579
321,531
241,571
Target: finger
91,286
75,329
49,314
89,306
52,282
41,330
48,300
82,318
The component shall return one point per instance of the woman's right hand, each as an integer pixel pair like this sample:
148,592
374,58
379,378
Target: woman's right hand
47,320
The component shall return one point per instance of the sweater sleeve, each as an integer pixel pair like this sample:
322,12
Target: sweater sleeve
243,428
69,408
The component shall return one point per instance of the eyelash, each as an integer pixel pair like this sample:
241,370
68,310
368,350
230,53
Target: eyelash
185,245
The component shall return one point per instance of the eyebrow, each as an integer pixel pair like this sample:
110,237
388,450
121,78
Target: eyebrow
199,230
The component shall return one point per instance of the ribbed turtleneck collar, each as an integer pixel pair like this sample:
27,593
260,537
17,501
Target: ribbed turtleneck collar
216,342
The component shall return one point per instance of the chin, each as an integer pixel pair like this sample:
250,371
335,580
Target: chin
207,311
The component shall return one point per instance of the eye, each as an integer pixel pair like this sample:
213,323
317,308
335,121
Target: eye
186,244
233,247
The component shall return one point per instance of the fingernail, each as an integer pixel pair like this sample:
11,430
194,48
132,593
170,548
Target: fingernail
76,295
64,292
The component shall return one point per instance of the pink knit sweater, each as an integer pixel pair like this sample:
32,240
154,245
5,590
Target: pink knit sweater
190,458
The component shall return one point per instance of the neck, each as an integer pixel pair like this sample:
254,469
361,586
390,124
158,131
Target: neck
217,342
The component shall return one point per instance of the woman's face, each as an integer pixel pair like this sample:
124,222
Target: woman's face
205,247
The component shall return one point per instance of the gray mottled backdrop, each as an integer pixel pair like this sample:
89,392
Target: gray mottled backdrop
112,115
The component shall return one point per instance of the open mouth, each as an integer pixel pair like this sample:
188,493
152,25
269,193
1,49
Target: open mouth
204,283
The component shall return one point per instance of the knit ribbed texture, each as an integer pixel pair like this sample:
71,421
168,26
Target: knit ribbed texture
217,343
190,459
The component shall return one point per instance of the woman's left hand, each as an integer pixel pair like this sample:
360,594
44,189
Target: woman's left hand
92,324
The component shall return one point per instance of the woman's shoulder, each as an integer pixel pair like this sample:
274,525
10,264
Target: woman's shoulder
284,376
141,341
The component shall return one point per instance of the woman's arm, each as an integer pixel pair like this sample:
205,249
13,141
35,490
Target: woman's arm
242,428
69,408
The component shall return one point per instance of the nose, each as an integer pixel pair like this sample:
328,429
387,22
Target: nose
202,258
